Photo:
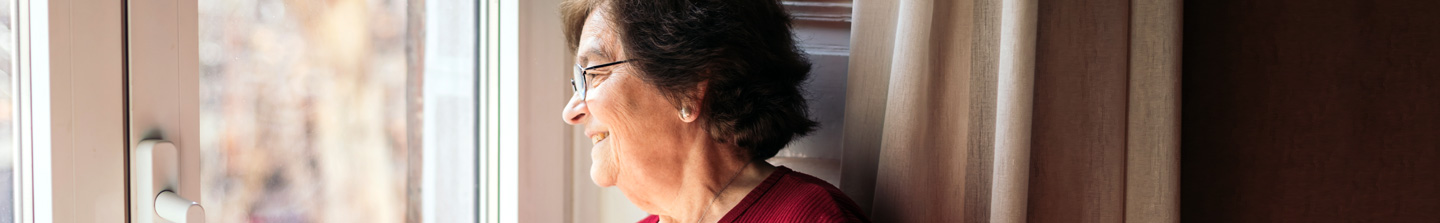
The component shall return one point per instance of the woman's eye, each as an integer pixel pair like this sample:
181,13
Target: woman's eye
593,79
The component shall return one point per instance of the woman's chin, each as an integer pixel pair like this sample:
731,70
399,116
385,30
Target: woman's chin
601,179
602,170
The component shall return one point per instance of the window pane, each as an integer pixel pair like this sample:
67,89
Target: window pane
302,110
7,111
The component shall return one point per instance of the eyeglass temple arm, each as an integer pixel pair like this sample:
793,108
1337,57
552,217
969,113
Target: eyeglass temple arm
605,65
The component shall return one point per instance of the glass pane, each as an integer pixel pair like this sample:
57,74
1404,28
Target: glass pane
7,112
302,108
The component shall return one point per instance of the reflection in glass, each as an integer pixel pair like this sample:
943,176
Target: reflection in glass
302,110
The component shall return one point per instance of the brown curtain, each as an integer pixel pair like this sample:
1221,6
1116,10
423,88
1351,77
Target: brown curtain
1014,111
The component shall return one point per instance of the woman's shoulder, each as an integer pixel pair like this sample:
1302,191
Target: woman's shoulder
801,187
789,196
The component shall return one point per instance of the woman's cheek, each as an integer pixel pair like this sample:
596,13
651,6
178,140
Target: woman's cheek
604,169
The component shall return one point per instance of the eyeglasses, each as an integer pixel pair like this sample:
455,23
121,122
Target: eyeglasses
580,82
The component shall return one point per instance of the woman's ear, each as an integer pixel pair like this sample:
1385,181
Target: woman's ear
692,106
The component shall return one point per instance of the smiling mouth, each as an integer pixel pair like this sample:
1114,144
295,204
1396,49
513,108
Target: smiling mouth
594,139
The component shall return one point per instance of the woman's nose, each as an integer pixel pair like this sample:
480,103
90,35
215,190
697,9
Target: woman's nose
575,112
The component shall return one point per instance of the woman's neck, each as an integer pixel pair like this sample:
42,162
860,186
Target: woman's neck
710,170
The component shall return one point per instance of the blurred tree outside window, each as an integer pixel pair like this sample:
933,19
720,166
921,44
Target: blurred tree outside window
302,108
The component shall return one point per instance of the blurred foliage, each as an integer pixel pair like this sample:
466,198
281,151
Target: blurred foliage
303,110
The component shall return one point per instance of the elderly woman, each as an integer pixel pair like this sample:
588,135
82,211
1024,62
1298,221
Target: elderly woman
686,99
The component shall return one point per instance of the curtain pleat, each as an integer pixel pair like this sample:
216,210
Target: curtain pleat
868,83
1077,150
1016,90
1152,191
983,92
1014,111
925,103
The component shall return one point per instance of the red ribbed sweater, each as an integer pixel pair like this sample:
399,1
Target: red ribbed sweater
789,196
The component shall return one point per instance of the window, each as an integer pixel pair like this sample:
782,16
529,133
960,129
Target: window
303,110
341,111
8,127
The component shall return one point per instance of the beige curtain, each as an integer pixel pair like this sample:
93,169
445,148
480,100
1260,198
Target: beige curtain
1014,111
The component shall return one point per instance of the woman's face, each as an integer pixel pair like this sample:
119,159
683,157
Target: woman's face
637,133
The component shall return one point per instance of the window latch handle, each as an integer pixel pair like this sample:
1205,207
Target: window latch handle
155,171
173,208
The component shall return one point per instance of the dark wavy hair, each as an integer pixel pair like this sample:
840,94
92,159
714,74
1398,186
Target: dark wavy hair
742,49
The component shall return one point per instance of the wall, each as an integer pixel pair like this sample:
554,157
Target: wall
822,30
1311,111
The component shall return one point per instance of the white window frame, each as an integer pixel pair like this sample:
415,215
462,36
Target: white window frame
70,71
523,67
50,92
519,91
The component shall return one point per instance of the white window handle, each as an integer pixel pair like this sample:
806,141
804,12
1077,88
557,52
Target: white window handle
173,208
155,171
